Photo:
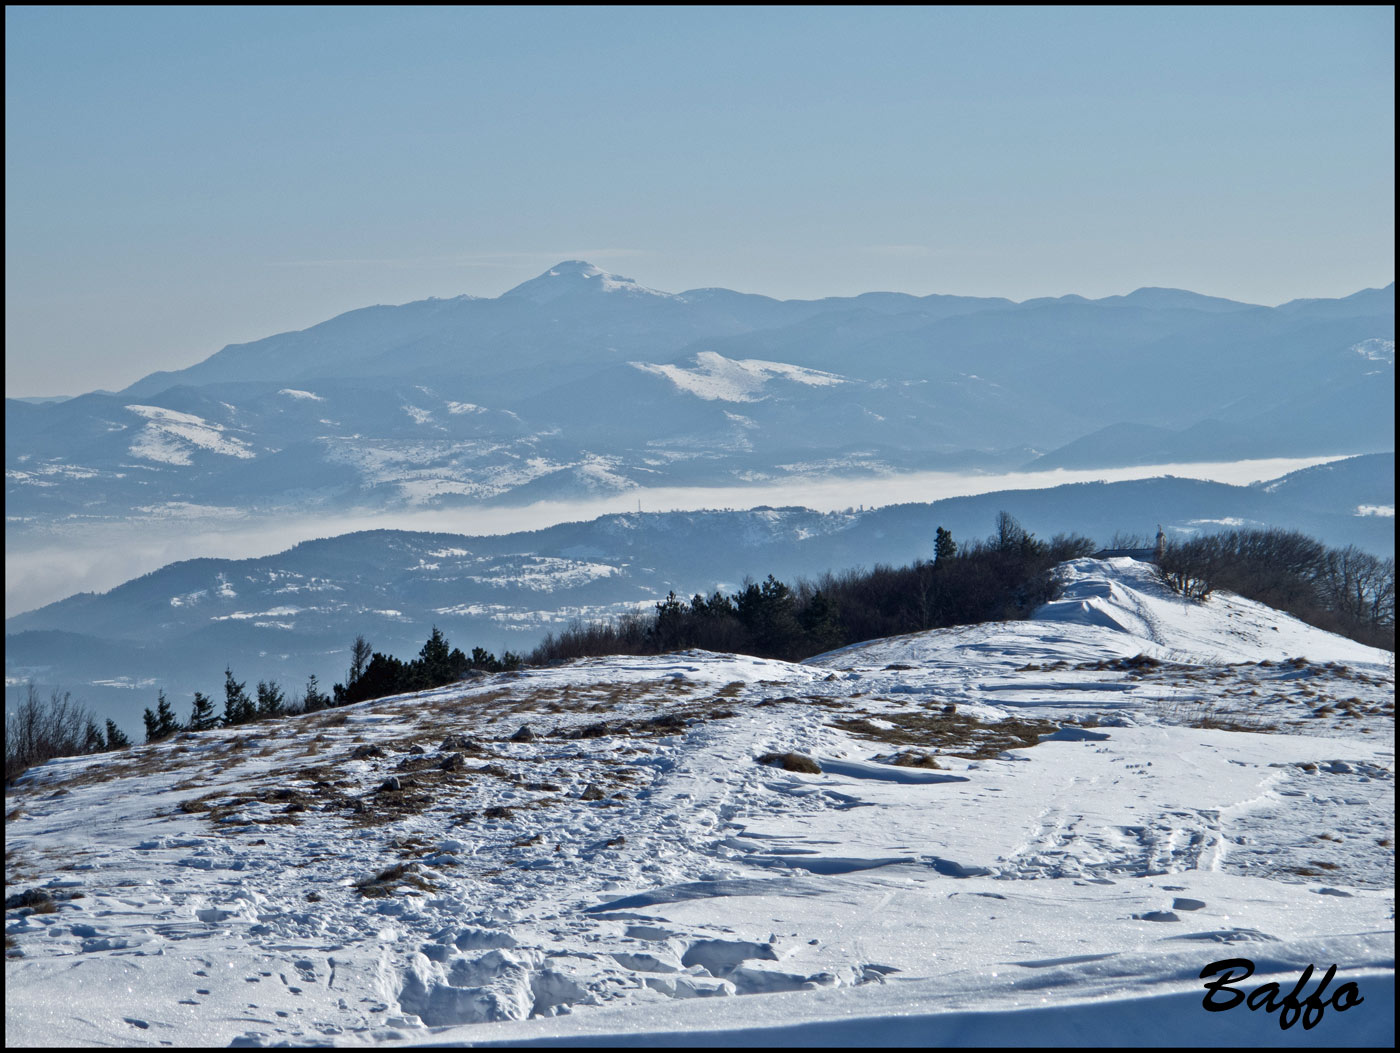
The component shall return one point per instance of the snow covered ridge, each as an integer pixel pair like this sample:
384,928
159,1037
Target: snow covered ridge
573,277
171,437
716,378
1001,832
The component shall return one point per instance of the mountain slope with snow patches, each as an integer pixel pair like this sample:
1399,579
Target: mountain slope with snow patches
1011,832
714,377
578,367
505,592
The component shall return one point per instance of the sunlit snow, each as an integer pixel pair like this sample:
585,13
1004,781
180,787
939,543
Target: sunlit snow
170,437
1020,833
718,378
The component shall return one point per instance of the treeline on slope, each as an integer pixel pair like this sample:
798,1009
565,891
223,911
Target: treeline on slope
1342,590
372,674
1003,577
36,731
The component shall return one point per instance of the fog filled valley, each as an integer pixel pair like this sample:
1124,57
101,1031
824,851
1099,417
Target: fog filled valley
582,386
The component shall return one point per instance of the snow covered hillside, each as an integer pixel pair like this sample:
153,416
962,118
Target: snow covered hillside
1012,833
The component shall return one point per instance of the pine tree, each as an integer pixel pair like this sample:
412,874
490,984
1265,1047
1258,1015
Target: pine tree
116,738
458,663
768,612
202,715
435,660
669,630
92,738
484,660
166,724
820,623
151,724
943,546
315,698
270,699
238,707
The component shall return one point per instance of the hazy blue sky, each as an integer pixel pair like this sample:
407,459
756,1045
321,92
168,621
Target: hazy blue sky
179,179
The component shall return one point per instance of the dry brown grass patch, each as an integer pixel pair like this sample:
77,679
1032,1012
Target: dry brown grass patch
383,884
955,734
798,762
914,759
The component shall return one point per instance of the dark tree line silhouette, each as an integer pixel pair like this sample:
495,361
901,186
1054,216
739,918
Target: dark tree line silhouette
1005,576
380,675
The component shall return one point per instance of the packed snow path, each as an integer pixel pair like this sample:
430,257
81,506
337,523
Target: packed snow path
937,836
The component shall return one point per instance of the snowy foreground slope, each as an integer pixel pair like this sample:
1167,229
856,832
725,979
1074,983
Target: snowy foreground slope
1127,789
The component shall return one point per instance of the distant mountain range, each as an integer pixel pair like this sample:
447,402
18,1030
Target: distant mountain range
579,383
294,613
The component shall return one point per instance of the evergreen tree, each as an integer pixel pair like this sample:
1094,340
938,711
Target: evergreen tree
238,707
270,699
315,698
717,606
820,623
435,661
202,715
166,724
384,675
768,612
92,738
484,660
116,738
162,723
670,630
943,546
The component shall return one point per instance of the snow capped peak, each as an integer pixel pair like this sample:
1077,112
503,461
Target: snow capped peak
582,267
575,277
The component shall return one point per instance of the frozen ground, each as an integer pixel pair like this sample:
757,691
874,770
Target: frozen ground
1022,833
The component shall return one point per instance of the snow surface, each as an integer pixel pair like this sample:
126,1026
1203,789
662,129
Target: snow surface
716,378
1376,349
1127,789
574,276
171,437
